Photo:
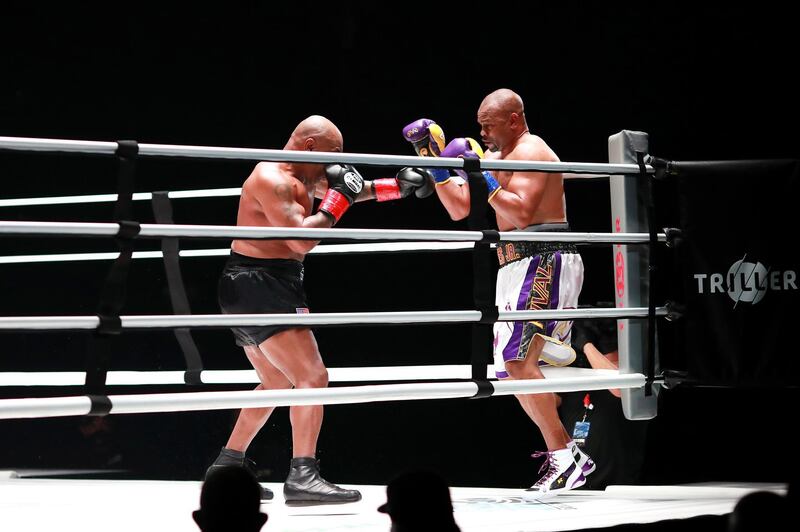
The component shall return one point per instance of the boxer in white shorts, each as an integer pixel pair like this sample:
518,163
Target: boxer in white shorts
536,276
531,275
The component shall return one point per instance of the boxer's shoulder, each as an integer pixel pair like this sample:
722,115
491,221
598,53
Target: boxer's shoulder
532,148
267,172
269,177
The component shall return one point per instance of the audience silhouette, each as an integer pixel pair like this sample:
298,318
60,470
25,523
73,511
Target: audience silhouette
230,501
759,510
419,501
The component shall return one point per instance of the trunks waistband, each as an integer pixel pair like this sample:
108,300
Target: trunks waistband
285,266
510,251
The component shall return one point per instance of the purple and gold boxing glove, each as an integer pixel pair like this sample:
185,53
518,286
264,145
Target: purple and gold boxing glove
426,136
466,148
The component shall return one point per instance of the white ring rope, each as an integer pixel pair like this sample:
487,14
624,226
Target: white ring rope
215,152
312,319
329,249
249,376
184,402
173,194
254,233
109,198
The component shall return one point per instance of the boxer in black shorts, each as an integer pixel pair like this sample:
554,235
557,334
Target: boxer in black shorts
266,277
250,285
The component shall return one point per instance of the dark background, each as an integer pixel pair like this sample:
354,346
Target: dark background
705,83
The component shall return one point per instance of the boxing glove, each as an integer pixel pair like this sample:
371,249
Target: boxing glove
344,186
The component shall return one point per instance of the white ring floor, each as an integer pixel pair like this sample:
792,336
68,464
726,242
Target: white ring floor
143,505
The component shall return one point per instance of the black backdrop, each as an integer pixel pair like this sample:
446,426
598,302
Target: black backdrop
705,83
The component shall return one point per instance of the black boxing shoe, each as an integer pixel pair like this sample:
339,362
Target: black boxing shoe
304,486
228,457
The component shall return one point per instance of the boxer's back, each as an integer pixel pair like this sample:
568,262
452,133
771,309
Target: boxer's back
269,189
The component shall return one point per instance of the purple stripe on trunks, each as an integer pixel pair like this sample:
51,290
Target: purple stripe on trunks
512,347
554,290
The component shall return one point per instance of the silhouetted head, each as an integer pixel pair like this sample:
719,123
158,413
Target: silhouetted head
419,500
230,501
502,119
758,511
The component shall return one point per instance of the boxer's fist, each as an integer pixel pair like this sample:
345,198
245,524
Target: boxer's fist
467,148
417,180
344,186
463,147
426,136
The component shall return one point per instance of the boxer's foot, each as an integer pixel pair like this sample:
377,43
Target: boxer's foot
559,473
304,485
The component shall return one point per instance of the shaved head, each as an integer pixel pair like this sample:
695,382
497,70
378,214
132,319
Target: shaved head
503,101
502,119
316,133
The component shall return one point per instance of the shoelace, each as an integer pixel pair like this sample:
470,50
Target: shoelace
550,463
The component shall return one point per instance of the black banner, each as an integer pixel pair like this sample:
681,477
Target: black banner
738,271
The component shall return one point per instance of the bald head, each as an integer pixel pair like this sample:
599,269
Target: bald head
503,101
315,133
502,119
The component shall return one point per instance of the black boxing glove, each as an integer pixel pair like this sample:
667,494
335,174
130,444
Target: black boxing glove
344,186
407,180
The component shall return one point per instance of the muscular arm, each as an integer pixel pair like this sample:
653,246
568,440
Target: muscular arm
522,194
277,196
518,199
454,196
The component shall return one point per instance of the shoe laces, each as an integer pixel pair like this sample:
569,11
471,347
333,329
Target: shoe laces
550,465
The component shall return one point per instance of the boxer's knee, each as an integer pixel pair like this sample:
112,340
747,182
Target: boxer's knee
316,377
274,381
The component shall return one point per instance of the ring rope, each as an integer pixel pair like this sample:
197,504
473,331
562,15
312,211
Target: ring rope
329,249
173,194
184,402
256,233
315,319
110,198
249,376
215,152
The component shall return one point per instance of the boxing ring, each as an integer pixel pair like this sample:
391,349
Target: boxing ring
135,505
28,503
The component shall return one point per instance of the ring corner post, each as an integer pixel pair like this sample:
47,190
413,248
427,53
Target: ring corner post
631,269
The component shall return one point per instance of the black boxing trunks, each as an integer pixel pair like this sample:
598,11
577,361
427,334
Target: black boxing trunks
250,285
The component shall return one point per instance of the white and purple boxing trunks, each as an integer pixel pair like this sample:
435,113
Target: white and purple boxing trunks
536,276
